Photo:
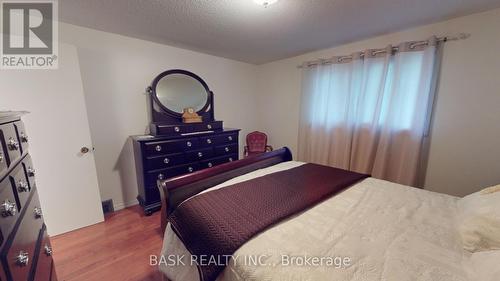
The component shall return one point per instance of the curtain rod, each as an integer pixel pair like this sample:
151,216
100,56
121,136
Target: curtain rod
459,36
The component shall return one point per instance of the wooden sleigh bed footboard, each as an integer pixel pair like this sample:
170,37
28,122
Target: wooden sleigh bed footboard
175,190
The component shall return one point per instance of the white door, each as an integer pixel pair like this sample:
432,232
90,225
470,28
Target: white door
58,128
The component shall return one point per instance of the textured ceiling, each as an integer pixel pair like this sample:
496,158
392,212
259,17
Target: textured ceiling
241,30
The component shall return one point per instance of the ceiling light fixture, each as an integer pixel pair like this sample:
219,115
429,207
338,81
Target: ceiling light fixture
265,3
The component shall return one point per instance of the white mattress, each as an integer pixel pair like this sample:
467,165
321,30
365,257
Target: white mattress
388,231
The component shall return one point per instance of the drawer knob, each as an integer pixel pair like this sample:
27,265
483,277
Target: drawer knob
31,172
13,145
166,160
230,138
200,154
8,208
24,137
177,129
209,141
22,186
189,144
22,259
161,176
230,159
1,157
209,126
210,165
38,212
190,169
226,149
158,148
48,250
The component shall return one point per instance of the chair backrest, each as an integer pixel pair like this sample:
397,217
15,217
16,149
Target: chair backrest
256,142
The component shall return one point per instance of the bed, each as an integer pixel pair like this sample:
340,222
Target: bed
372,230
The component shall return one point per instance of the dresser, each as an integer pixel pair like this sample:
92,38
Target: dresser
184,135
26,253
162,157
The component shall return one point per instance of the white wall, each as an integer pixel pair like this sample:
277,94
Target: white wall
57,127
464,152
116,70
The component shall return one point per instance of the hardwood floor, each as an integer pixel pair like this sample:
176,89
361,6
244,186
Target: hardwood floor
117,249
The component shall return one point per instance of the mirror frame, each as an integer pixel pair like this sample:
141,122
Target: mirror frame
185,72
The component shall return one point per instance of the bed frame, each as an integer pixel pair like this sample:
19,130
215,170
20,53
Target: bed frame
175,190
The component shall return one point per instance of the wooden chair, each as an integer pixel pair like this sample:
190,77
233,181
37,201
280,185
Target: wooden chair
256,144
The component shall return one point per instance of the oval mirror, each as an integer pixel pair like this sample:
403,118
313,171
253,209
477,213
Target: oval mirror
179,89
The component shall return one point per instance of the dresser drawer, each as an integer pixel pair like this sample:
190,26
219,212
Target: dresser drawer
226,149
151,194
217,161
216,125
30,170
10,142
226,138
44,263
153,177
198,155
208,141
161,162
159,129
9,210
21,253
22,136
169,147
3,161
20,185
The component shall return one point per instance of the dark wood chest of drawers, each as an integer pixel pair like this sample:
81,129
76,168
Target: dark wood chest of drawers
162,157
25,253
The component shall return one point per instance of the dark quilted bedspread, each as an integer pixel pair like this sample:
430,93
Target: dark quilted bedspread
217,223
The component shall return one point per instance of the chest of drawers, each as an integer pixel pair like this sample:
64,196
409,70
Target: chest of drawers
163,157
25,252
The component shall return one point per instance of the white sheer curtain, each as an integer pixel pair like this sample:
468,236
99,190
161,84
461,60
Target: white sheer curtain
371,113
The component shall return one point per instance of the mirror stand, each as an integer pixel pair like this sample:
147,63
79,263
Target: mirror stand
173,90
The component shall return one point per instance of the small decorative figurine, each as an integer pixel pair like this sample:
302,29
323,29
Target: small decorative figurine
190,116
